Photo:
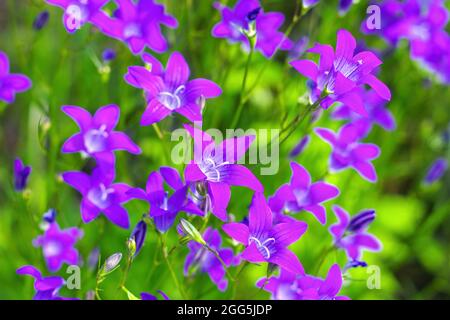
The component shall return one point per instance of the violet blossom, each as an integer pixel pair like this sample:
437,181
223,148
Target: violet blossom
21,175
350,234
41,20
58,246
170,90
215,168
11,83
300,147
436,171
349,152
148,296
237,24
264,241
340,74
138,236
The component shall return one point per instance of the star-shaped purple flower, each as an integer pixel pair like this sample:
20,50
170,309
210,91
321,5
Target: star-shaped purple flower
79,12
100,195
97,137
58,246
164,208
377,113
264,241
138,24
289,286
340,74
47,288
215,168
349,152
300,194
21,174
11,83
202,260
351,235
237,22
170,90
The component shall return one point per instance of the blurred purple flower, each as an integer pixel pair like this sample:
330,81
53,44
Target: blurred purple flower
344,5
58,246
300,147
170,90
264,241
41,20
108,55
148,296
289,286
300,194
351,235
138,24
97,137
203,260
11,83
215,168
348,152
238,21
436,170
100,195
47,288
340,74
79,12
21,175
93,258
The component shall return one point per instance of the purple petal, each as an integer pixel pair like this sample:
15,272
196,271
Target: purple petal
120,141
287,260
366,170
193,173
79,115
326,53
237,231
172,177
154,112
260,215
287,233
354,102
74,144
177,70
238,175
17,82
252,254
145,80
28,269
333,282
118,215
4,64
318,211
345,46
78,180
202,87
338,229
366,151
300,177
327,135
155,183
307,68
321,191
88,211
190,111
107,115
220,197
234,149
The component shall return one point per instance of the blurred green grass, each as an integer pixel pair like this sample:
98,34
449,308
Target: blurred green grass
413,222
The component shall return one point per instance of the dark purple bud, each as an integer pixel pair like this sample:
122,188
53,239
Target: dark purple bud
298,149
361,221
41,20
49,216
21,174
436,171
252,15
354,264
108,55
138,234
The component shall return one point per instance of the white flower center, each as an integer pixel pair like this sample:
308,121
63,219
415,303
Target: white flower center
263,247
100,196
171,100
95,139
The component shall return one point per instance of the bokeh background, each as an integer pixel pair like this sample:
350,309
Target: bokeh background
413,220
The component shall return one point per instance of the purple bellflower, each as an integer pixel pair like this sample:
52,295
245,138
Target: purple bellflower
79,12
202,260
138,235
349,152
340,74
47,288
21,175
215,168
344,5
289,286
148,296
41,20
300,194
164,208
58,246
170,90
97,137
237,22
264,241
351,235
11,83
436,171
100,195
138,24
377,113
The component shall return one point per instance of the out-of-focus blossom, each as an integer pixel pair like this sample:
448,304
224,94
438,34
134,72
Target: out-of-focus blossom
344,5
341,74
299,48
100,195
47,288
47,219
350,234
436,170
300,147
21,175
170,90
148,296
11,83
79,12
138,24
289,286
41,20
264,241
97,137
214,169
348,152
58,246
108,55
203,260
247,19
301,194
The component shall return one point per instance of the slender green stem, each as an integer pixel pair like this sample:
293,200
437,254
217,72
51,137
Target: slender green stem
323,257
236,278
